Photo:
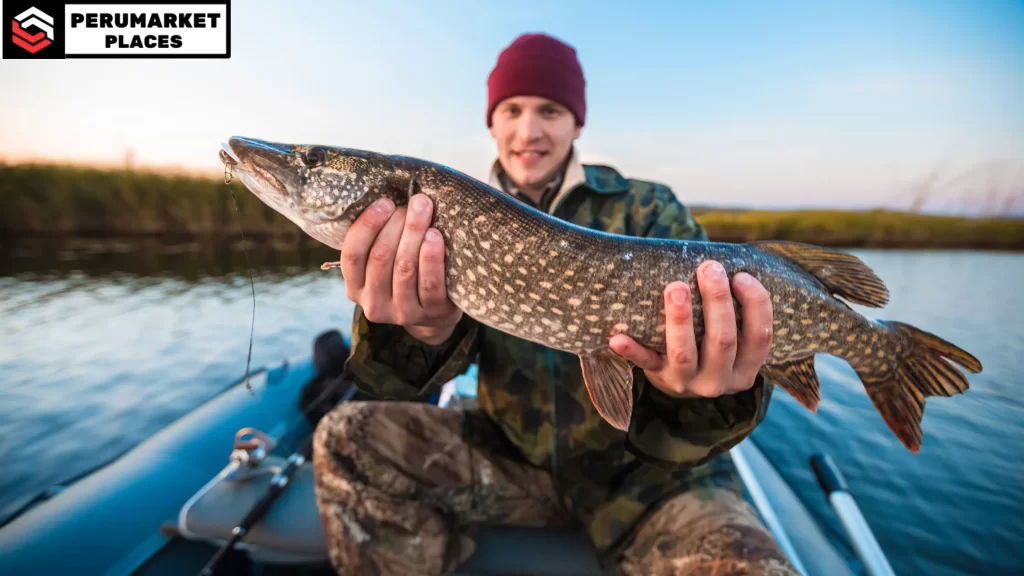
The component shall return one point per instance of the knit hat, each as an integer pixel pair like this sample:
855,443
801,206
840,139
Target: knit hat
538,65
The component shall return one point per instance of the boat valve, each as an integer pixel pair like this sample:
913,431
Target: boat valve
250,448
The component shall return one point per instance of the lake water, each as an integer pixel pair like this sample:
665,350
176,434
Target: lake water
103,344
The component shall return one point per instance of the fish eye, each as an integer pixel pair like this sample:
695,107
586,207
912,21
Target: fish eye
313,157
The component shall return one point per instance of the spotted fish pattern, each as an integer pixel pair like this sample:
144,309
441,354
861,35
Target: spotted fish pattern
534,405
570,288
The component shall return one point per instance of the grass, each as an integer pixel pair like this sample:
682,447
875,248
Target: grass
47,199
71,200
875,228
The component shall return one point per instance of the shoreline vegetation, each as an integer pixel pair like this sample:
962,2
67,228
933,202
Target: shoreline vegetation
72,201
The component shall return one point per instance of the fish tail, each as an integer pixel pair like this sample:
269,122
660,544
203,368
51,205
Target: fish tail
922,369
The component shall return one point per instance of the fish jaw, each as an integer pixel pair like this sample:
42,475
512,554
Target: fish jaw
271,167
316,187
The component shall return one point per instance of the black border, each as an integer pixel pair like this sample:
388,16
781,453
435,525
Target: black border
226,3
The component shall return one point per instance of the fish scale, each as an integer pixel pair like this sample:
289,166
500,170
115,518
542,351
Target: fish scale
586,287
570,288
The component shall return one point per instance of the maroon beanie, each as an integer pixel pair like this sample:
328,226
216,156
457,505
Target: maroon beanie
538,65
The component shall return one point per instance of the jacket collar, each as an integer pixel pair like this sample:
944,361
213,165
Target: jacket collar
598,179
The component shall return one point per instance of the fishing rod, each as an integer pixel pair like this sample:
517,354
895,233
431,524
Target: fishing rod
277,485
281,480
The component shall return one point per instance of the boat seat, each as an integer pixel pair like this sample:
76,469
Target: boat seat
289,533
292,533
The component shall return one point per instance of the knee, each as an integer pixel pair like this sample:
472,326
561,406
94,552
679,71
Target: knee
703,532
340,430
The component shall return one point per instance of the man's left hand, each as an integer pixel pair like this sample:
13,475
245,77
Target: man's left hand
726,364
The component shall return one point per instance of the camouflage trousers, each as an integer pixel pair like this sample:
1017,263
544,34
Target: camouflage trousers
396,483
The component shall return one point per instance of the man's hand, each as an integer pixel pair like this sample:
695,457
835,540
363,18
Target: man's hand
393,264
726,364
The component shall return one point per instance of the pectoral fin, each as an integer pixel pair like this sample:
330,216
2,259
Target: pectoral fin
609,380
798,378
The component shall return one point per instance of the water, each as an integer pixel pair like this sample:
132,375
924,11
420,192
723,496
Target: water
103,344
956,507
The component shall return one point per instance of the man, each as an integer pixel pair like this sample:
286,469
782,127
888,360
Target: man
399,484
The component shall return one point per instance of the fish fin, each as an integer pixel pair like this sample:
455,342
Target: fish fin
844,274
922,371
609,380
798,378
936,346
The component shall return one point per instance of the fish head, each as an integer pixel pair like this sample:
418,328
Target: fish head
322,189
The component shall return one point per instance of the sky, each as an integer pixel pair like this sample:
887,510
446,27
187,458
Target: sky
767,104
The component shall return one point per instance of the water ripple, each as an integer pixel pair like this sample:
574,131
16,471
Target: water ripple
93,361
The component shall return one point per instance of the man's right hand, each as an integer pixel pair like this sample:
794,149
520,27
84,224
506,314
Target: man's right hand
393,265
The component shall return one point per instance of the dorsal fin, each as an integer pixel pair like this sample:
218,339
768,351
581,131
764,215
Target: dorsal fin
844,274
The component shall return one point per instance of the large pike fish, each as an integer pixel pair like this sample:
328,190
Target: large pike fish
521,271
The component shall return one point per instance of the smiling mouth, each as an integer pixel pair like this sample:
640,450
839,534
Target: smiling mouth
531,154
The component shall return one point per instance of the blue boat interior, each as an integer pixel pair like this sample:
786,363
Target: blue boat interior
167,505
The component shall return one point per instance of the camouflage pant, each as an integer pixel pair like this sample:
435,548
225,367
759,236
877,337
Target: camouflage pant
395,482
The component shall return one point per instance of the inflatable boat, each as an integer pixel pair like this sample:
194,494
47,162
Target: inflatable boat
227,489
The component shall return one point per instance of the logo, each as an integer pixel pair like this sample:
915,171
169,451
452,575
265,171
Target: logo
33,30
32,18
51,29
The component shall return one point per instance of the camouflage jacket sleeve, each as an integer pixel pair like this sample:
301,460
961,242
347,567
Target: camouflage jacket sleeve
387,363
679,433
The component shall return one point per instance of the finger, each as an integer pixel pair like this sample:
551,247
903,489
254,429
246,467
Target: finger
358,240
642,356
381,261
432,288
405,285
718,350
756,338
680,341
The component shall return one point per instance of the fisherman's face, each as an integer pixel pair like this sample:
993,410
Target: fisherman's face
534,136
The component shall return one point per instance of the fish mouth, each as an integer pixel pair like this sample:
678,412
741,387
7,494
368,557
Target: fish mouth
227,155
274,172
267,165
248,151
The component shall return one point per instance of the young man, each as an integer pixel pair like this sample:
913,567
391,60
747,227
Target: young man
400,483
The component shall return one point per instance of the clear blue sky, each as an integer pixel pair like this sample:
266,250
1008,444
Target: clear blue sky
755,103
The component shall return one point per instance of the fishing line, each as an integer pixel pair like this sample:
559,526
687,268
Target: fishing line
248,268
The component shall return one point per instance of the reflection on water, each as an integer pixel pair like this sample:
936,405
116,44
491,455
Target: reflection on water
186,260
101,347
104,343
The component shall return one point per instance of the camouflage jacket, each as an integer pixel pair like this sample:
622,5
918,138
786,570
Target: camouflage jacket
533,403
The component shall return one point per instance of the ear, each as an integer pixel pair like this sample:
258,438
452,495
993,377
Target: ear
576,132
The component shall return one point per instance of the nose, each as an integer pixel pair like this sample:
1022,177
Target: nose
529,128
